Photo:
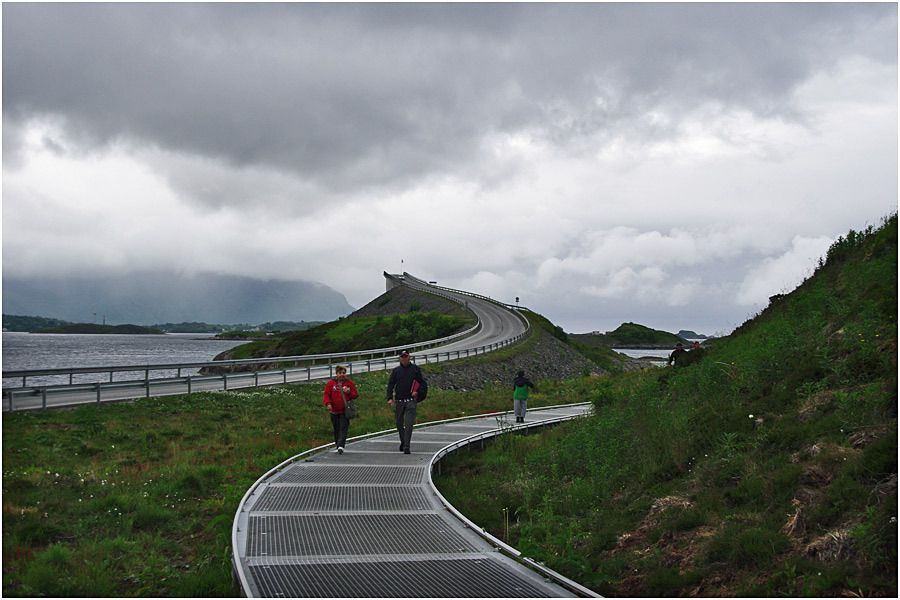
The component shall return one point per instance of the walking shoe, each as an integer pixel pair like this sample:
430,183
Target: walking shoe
402,448
340,450
406,451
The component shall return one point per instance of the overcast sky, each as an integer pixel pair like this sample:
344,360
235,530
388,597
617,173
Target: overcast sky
668,164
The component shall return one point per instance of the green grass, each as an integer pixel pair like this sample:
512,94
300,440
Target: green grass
684,481
357,333
137,499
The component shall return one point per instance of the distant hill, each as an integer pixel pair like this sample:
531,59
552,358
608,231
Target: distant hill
30,323
629,335
691,335
168,297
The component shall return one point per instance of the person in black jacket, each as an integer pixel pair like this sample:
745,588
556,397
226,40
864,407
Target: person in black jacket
400,386
676,354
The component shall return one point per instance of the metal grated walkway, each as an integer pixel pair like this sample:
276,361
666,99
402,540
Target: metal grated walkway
369,523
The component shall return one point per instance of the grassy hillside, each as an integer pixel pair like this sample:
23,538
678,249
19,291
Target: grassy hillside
766,467
398,317
355,333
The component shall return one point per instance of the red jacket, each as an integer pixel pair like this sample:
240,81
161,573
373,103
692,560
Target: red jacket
333,396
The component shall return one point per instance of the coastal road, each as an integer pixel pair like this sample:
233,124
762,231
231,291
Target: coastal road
499,324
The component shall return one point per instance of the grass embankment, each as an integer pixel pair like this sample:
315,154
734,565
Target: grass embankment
137,499
357,333
767,467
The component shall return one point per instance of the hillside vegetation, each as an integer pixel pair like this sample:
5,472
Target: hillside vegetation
398,317
767,466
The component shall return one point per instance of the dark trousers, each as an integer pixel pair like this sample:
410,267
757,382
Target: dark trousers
405,411
341,424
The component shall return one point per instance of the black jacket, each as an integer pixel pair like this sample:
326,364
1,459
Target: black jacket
401,380
522,381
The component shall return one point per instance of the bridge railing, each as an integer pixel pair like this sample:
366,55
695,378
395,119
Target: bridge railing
37,397
331,357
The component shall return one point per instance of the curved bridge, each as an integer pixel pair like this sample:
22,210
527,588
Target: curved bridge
498,326
369,523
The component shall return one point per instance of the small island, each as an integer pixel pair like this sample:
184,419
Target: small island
630,335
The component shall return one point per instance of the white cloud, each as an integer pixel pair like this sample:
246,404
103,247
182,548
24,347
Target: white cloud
783,273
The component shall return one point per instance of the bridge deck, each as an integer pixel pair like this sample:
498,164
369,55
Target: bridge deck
369,524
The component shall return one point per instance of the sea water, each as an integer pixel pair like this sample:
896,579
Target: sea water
23,351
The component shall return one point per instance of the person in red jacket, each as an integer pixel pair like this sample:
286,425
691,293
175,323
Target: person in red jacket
337,392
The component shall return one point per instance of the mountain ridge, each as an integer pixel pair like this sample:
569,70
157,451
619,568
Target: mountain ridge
149,297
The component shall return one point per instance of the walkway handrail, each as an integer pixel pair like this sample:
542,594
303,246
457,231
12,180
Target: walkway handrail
505,548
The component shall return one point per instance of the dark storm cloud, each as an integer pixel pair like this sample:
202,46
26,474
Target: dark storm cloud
348,96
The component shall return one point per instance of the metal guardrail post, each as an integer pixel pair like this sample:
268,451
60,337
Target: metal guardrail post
44,397
255,378
70,378
308,374
224,382
98,392
189,384
147,388
284,375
